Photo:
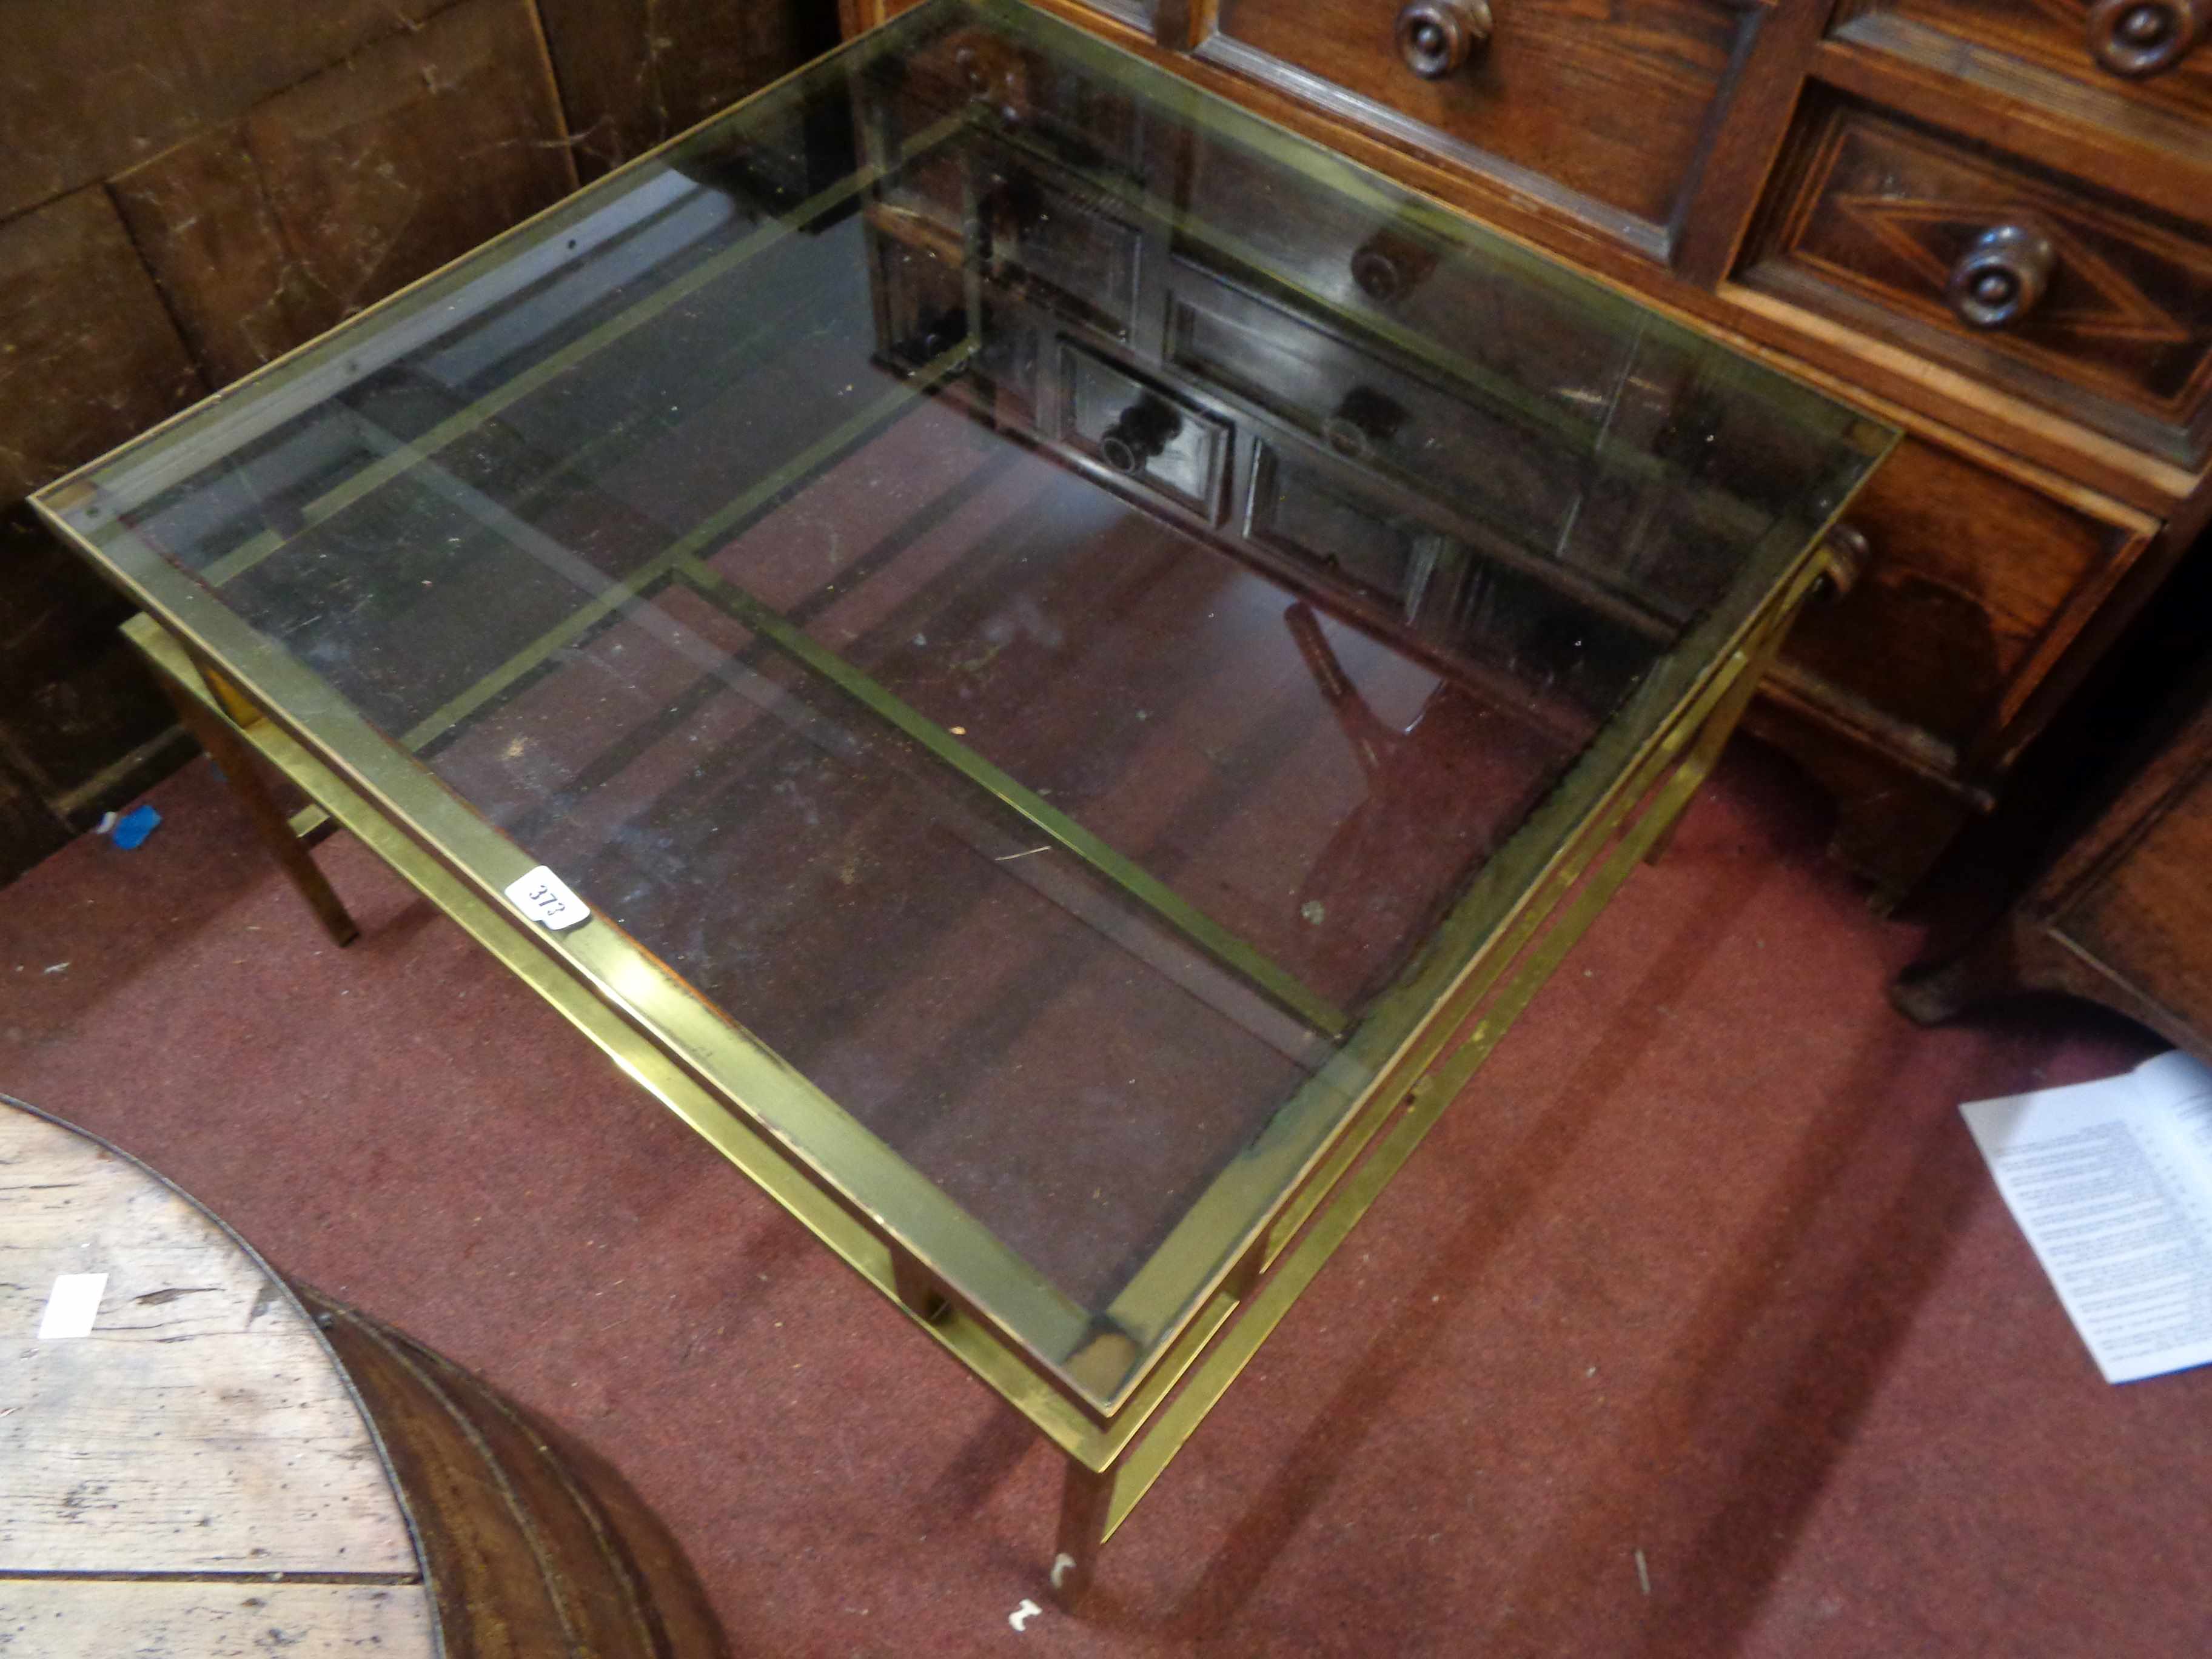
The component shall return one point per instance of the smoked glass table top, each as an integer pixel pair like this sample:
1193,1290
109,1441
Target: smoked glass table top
1046,620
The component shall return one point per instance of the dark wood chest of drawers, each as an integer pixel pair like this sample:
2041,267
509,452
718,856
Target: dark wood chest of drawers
1987,220
2124,914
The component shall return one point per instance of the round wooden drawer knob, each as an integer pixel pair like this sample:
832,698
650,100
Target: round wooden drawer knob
1389,266
1998,279
1435,37
1143,429
2137,38
1364,422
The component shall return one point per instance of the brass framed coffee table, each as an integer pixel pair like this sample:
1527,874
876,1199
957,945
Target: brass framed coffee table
1046,664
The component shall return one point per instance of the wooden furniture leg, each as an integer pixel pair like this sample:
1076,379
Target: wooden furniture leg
1992,967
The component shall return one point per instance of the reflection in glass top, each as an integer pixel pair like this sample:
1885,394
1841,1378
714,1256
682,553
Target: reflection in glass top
1034,593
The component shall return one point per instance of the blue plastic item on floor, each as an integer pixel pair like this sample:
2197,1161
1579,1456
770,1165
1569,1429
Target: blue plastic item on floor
134,826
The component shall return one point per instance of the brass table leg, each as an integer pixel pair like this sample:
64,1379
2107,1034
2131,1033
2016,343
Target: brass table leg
1758,654
242,767
1268,1285
1084,1501
1661,844
923,1296
1657,785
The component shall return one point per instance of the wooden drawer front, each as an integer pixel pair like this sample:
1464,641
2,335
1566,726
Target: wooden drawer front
1481,471
1331,532
1978,586
1346,538
1064,250
1143,431
1372,412
1872,215
1607,102
1501,309
2054,36
1015,99
921,297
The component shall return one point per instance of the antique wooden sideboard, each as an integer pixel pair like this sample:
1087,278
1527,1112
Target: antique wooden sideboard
1988,221
2100,856
2122,917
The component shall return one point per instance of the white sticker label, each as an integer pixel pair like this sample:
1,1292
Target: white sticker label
72,1306
543,895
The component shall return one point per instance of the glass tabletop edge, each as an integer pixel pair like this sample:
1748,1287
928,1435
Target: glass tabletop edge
1169,1314
995,1357
842,1156
1166,1291
60,497
1167,1294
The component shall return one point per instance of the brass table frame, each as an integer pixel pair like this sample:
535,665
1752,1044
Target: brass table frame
1112,1458
264,717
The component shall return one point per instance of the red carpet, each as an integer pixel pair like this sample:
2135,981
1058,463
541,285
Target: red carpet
1704,1273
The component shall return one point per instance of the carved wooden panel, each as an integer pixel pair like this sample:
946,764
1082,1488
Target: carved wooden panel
1607,102
1875,214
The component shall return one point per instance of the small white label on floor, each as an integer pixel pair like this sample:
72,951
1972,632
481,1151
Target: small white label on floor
543,895
72,1306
